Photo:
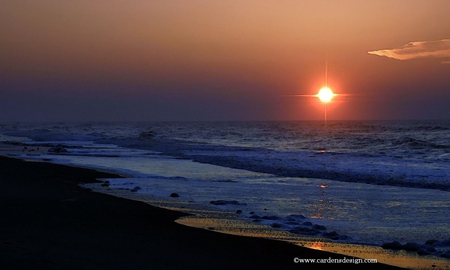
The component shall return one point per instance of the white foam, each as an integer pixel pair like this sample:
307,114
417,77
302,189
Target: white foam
366,213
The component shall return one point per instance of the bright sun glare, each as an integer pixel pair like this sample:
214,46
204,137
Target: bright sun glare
325,94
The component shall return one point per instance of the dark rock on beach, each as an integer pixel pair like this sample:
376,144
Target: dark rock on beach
393,245
292,223
146,135
305,231
423,252
411,247
57,149
332,235
446,254
426,250
136,189
223,202
105,184
174,195
270,217
319,227
431,242
297,217
444,243
227,181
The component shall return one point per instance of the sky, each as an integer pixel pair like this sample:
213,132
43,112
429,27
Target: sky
204,60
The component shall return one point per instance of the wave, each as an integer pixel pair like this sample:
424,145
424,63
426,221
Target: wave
345,151
393,168
433,128
418,144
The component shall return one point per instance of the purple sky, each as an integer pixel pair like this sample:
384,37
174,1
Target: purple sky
194,60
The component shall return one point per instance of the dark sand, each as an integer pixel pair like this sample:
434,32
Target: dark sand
49,222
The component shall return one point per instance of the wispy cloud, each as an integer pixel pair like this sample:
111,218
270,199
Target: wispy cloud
418,49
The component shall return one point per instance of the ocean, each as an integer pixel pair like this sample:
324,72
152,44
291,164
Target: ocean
356,182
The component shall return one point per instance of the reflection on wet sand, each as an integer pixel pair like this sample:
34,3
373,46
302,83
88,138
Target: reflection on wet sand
398,258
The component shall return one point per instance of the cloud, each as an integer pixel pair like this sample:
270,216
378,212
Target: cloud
418,49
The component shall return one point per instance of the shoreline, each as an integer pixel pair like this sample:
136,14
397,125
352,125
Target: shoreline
226,222
51,222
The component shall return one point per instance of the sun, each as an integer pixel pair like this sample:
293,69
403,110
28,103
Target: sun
325,94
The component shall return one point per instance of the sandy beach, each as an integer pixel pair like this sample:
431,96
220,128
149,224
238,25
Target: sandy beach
49,222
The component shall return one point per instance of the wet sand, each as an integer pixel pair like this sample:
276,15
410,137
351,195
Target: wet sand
49,222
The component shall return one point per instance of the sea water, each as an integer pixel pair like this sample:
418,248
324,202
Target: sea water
364,182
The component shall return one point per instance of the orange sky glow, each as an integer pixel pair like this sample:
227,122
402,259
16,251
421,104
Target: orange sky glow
223,60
